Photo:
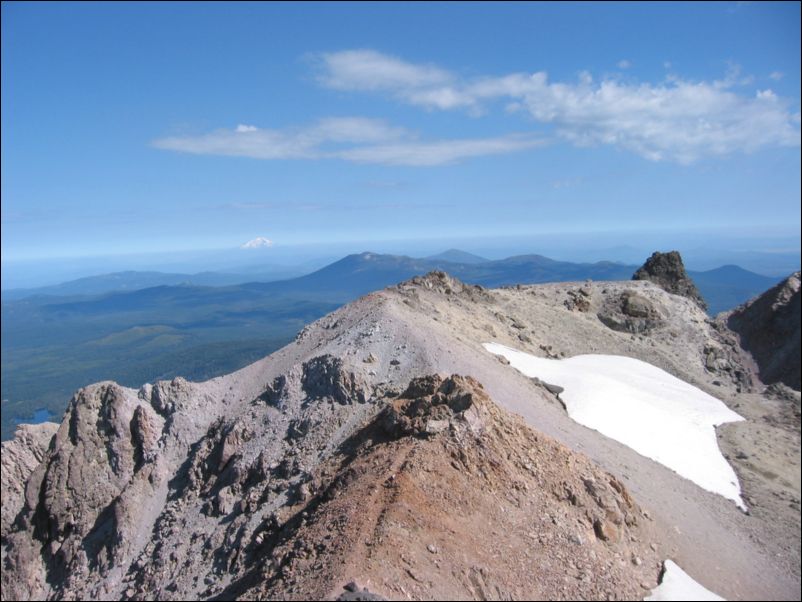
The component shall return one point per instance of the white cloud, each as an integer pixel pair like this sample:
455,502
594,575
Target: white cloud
680,121
676,120
355,129
624,64
290,143
368,70
353,139
371,70
439,152
734,78
776,75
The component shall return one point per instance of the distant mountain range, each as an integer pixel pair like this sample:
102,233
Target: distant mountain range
723,288
126,281
134,327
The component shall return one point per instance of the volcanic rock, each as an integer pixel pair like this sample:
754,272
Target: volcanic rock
20,457
668,272
277,482
769,328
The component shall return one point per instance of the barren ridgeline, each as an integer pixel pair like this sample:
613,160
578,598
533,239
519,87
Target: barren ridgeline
386,449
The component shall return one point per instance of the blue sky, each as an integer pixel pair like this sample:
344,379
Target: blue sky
158,127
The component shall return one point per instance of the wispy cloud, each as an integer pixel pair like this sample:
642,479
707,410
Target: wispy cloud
776,75
290,143
368,70
355,139
677,120
733,78
439,152
371,70
624,64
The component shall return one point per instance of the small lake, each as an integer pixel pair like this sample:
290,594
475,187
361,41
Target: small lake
39,416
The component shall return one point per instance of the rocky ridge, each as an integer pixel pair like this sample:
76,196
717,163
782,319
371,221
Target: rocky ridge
770,328
444,495
201,490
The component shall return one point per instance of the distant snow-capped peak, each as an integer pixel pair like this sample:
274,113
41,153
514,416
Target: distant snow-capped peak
257,243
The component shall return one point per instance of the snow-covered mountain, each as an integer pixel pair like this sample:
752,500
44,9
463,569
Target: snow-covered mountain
259,242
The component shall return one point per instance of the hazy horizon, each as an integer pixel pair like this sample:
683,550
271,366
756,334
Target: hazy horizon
767,255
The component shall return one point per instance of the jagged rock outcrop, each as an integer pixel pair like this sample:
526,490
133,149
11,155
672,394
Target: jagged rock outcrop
119,496
769,328
668,272
444,495
20,457
85,500
325,375
442,283
579,299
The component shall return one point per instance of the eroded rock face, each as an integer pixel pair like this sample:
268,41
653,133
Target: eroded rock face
281,388
324,376
667,271
168,397
769,328
100,425
84,502
431,405
20,457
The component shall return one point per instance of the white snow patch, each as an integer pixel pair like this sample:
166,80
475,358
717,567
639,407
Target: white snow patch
651,411
678,585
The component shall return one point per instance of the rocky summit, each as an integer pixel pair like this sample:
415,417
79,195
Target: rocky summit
667,271
769,328
385,454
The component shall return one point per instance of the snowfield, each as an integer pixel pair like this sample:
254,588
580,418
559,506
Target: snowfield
678,585
651,411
